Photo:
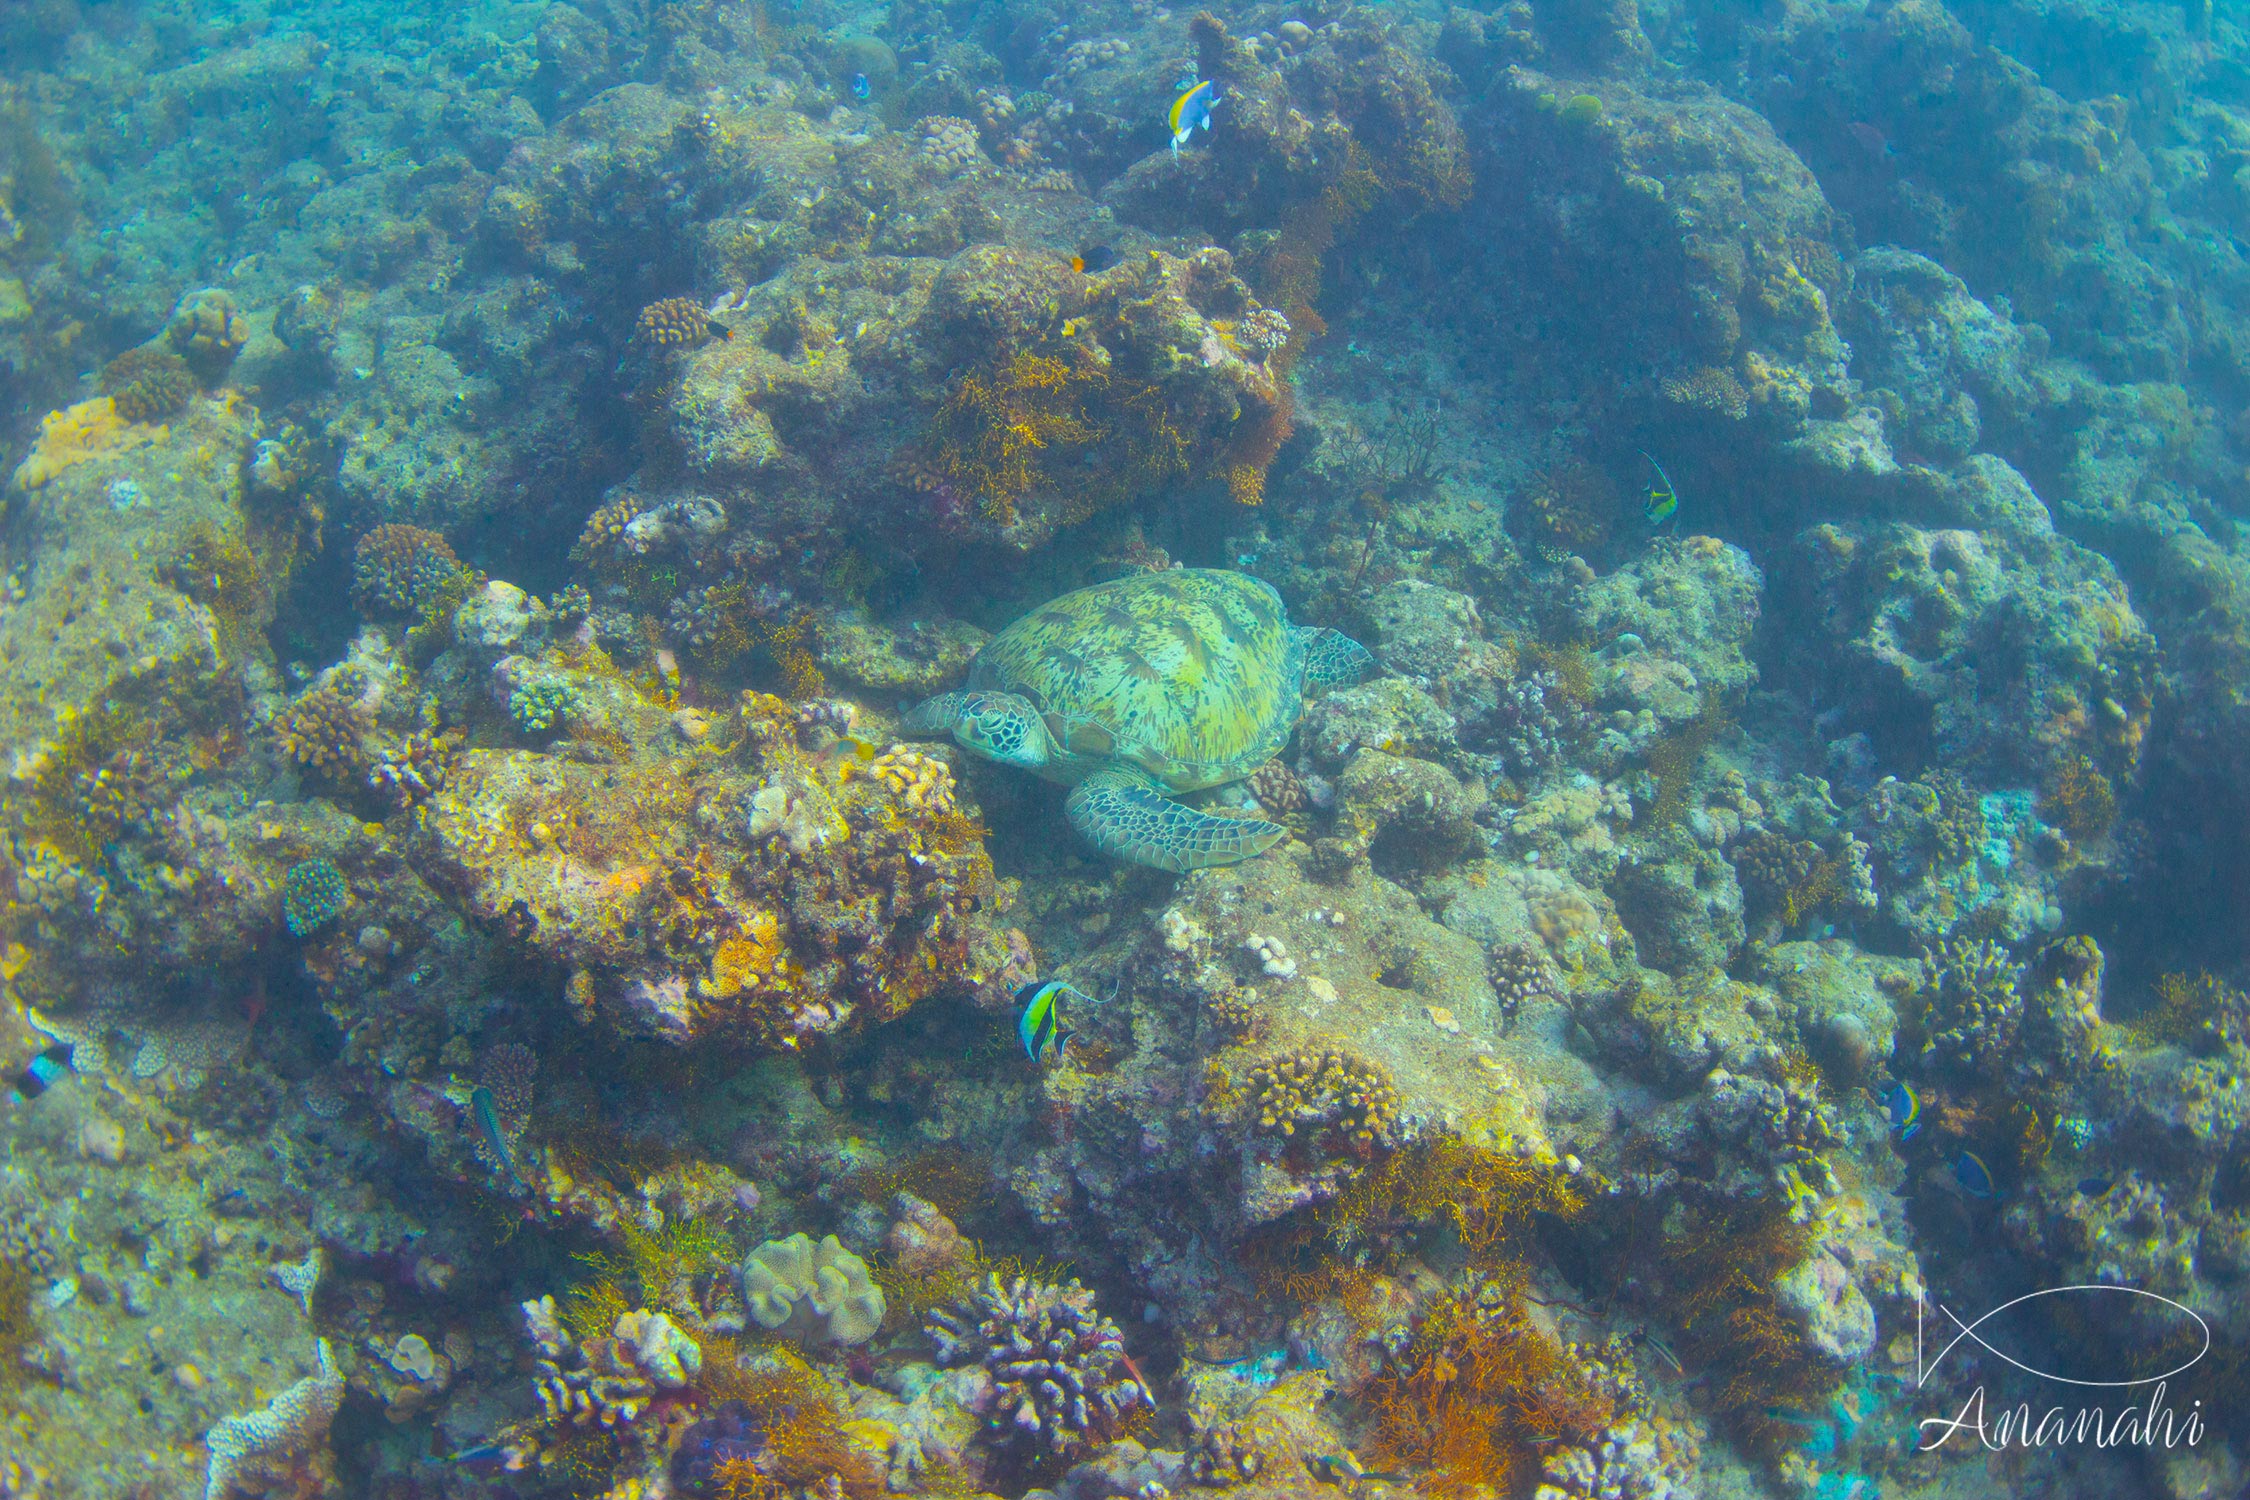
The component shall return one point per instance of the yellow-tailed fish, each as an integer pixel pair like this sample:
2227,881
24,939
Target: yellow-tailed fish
1191,109
1663,499
1905,1109
1041,1021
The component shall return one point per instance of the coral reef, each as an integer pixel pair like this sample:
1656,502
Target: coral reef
148,385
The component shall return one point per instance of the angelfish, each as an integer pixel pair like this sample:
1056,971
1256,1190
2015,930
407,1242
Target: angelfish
1041,1021
1191,109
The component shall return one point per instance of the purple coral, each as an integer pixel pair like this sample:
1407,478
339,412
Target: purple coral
1060,1376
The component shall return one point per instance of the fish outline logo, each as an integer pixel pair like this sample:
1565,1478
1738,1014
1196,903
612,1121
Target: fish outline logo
1925,1368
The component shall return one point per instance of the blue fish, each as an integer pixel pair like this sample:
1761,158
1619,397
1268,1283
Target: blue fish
1041,1021
1191,109
1974,1176
861,88
48,1068
487,1118
1905,1110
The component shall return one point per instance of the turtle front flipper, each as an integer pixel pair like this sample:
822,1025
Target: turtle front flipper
1124,815
1334,659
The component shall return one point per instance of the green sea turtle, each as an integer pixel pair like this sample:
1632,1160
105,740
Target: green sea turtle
1161,682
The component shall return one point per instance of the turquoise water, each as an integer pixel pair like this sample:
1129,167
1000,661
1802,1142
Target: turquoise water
759,750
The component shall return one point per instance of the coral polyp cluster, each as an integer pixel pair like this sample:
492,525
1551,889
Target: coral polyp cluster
148,384
406,570
1061,1380
1330,1092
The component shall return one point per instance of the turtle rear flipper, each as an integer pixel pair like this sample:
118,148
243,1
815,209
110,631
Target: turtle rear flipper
1123,814
1334,659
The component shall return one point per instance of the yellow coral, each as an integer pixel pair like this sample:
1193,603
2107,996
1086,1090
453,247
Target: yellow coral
91,429
751,958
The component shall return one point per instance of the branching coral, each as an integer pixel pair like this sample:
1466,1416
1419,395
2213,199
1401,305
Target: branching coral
543,703
1973,1012
1061,1380
1332,1095
102,774
407,571
1571,508
322,731
1489,1198
1521,972
148,384
1791,879
673,323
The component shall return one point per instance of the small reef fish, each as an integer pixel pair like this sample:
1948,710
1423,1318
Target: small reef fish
1191,109
1094,259
487,1119
861,88
1905,1109
1041,1021
1663,501
48,1068
1974,1176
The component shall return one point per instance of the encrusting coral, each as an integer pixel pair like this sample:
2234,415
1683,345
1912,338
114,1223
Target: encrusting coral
1061,1380
280,1445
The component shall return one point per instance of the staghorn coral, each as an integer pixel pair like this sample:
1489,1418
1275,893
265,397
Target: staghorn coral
280,1445
407,571
1328,1092
148,384
674,323
313,894
815,1294
1061,1380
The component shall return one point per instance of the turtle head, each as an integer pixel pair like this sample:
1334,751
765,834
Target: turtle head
1004,728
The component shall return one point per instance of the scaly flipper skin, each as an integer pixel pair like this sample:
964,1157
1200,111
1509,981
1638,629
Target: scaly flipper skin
1124,815
1334,659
